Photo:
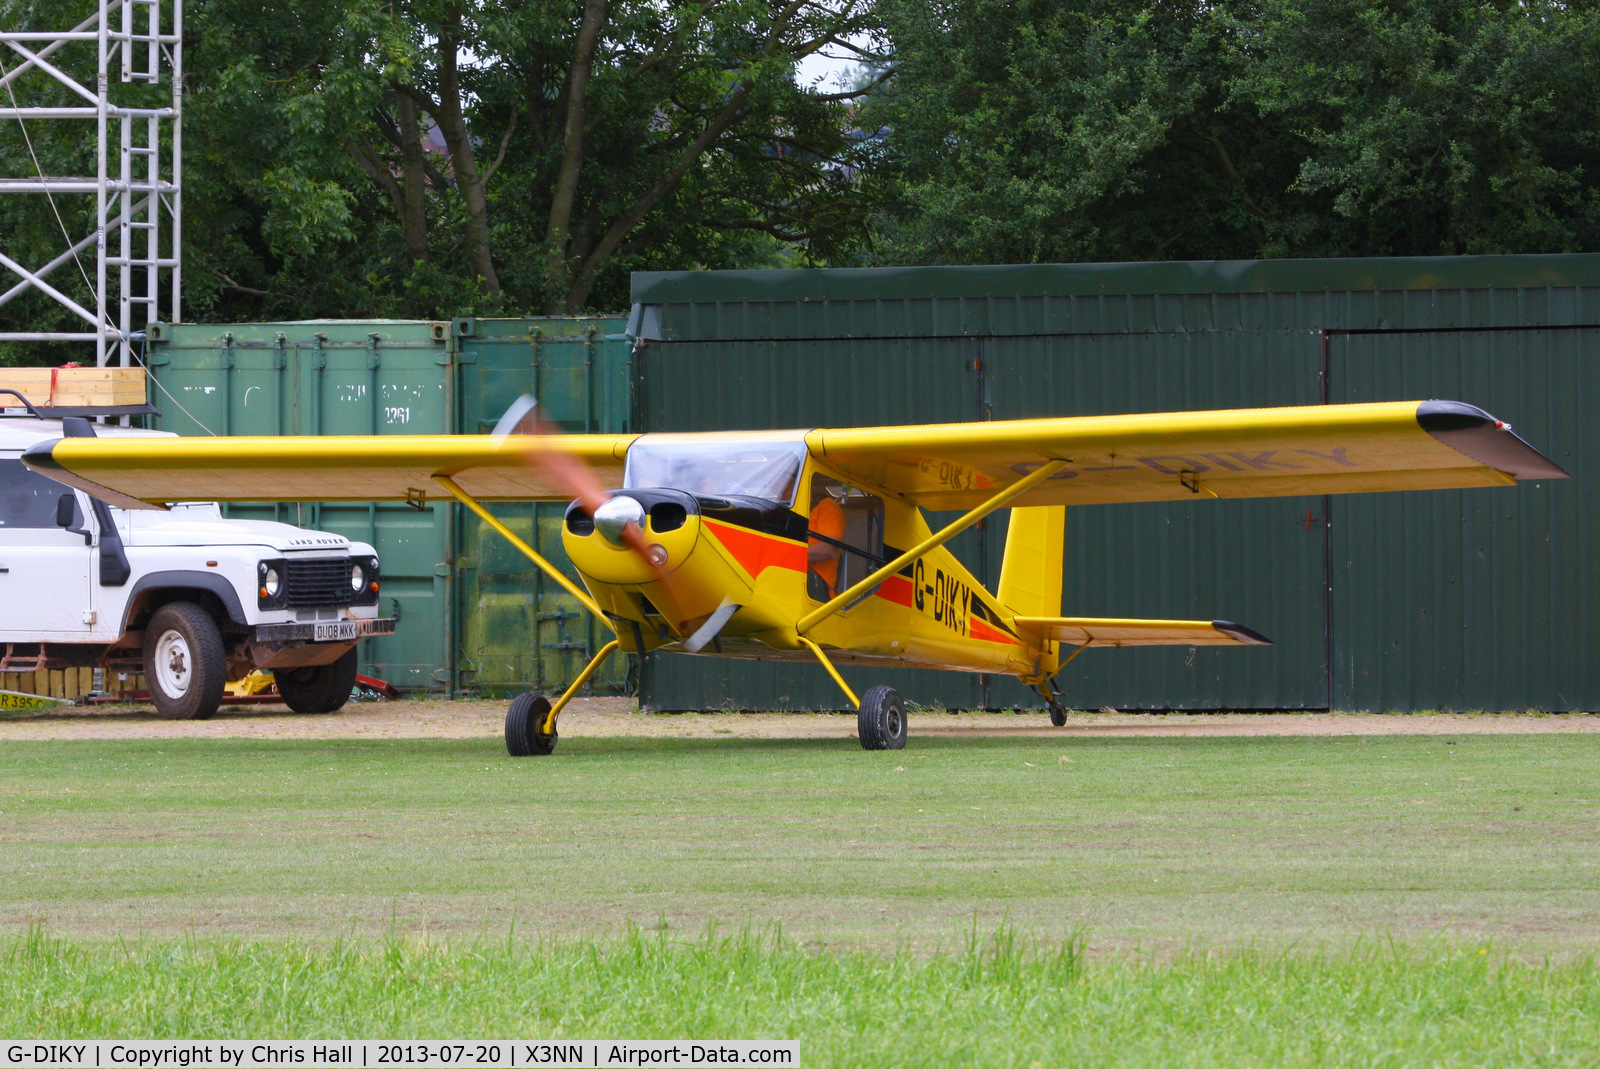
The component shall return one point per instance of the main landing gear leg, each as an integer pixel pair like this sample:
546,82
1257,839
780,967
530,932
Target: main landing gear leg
880,714
1058,714
531,720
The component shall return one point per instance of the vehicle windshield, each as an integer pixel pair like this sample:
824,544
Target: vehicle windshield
769,470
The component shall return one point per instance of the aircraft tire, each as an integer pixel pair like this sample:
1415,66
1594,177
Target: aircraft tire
881,720
1058,716
320,689
523,722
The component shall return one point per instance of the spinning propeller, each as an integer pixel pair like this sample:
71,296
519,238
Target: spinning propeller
619,519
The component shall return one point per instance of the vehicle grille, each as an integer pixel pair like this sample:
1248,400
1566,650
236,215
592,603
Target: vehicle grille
316,584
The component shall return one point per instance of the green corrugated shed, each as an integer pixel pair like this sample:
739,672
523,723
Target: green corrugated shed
1460,599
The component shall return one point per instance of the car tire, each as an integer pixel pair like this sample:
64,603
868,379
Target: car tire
185,667
318,689
881,720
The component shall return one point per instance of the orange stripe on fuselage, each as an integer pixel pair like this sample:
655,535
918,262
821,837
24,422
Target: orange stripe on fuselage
756,552
988,632
899,590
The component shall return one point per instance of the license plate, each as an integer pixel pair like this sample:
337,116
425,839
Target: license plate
334,632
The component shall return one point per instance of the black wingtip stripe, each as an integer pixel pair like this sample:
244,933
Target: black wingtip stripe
1242,633
1476,434
41,458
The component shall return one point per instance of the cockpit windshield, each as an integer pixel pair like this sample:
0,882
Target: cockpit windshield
769,470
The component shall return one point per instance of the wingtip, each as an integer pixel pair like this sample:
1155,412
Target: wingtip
1477,434
1241,633
41,457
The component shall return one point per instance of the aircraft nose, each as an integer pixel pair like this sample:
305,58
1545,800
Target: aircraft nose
615,514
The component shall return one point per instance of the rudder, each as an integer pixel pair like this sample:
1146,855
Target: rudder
1030,573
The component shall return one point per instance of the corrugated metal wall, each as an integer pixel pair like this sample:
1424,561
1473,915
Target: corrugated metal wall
1468,599
334,377
480,619
1462,600
519,630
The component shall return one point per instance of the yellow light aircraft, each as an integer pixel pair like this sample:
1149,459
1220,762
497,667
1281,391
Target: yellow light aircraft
812,545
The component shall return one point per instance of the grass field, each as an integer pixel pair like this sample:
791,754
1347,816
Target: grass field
979,901
1144,843
994,1002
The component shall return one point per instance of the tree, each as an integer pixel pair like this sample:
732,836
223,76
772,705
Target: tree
581,139
1115,130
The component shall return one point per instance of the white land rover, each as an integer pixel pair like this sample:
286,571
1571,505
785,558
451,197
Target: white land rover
188,598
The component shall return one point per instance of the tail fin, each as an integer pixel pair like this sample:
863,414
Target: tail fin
1030,574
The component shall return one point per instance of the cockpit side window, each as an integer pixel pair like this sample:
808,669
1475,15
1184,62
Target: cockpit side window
846,536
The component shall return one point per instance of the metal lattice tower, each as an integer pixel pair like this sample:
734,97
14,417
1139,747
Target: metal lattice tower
138,184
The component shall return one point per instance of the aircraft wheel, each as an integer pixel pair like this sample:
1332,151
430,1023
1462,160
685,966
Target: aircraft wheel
524,721
881,720
1058,716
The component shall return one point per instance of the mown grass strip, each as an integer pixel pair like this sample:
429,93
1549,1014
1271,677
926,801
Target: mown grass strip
1150,843
997,1001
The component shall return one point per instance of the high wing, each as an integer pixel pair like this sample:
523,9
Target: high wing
1267,452
1173,456
1078,630
141,472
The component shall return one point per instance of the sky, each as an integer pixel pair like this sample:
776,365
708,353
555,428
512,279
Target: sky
829,68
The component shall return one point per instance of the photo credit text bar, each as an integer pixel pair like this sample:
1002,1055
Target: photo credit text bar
394,1054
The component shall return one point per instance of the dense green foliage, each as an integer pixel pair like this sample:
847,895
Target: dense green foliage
996,1001
365,158
1106,130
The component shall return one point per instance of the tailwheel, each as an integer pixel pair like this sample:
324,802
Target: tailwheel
881,719
525,736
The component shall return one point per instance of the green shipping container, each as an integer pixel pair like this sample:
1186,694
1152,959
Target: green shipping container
478,619
333,377
520,630
1461,599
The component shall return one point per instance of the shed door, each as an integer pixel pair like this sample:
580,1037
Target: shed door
1473,599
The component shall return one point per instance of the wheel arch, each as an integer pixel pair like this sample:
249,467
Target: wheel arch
209,590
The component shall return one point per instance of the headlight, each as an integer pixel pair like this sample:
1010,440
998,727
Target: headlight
364,580
271,583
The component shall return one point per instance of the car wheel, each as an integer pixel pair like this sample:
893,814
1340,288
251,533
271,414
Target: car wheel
321,688
184,664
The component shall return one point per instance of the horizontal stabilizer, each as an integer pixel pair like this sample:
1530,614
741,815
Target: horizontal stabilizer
1078,630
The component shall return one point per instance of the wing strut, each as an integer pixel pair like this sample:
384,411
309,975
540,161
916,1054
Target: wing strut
505,532
998,501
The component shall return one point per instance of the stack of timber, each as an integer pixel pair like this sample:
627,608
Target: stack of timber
75,387
69,683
